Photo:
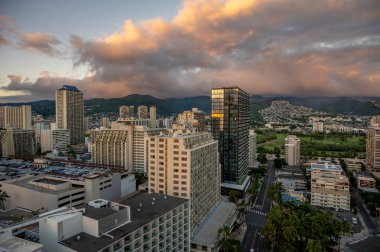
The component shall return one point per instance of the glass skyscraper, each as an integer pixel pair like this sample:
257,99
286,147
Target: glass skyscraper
230,126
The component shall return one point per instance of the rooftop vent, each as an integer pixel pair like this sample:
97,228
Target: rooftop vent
140,204
98,203
138,209
78,237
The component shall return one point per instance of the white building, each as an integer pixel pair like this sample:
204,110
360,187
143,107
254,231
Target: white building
48,192
145,222
292,150
55,140
329,187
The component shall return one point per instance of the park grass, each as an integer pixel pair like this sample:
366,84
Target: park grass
322,145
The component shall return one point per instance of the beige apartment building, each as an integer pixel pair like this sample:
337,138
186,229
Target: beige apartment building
122,146
69,112
194,118
329,187
16,117
153,116
186,165
373,145
292,150
142,112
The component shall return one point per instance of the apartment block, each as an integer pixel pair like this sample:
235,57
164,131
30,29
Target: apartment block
186,165
329,187
153,116
142,112
110,147
16,117
17,143
55,140
69,111
366,183
292,150
373,146
194,119
50,192
318,126
122,146
144,222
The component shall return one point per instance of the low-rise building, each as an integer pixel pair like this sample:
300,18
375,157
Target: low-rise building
50,192
144,222
329,187
366,183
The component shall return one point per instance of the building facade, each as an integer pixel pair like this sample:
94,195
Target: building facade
16,117
230,127
145,222
329,187
58,140
292,150
142,112
17,143
69,111
194,118
153,116
186,165
373,146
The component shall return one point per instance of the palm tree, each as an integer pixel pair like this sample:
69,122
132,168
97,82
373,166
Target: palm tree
224,241
242,210
3,197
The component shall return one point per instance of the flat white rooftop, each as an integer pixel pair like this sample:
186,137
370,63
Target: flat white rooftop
16,244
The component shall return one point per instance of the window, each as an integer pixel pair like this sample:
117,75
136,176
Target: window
184,159
184,194
183,183
175,187
184,153
175,182
183,188
184,171
175,194
175,146
184,177
175,152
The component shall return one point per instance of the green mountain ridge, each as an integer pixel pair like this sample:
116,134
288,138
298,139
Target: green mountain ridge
363,106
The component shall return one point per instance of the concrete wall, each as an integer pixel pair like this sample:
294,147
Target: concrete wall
128,185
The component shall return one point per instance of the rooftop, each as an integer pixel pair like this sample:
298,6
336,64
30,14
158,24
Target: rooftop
326,166
69,88
208,233
139,218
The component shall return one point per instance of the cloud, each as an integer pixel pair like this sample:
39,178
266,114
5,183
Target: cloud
275,47
39,42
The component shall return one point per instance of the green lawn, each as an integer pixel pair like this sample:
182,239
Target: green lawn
325,145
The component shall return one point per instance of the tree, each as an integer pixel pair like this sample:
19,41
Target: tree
274,192
242,210
224,241
233,196
261,157
3,197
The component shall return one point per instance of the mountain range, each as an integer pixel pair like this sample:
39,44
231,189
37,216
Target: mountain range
336,105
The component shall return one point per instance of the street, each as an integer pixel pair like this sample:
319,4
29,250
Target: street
256,215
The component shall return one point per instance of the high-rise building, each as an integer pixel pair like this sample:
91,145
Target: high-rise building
153,116
110,147
17,143
69,112
195,118
142,112
55,140
373,146
122,146
186,165
38,126
16,117
124,112
292,150
230,126
131,111
252,148
329,187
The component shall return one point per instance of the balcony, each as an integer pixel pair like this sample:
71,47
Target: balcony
117,247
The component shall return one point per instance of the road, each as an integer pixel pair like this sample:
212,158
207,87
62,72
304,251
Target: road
366,217
256,215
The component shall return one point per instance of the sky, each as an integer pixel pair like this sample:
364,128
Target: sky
174,48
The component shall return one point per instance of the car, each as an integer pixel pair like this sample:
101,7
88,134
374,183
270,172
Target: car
354,221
